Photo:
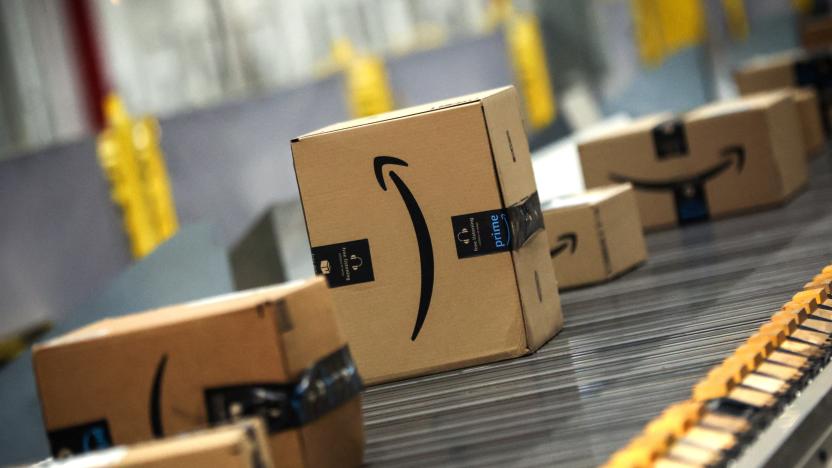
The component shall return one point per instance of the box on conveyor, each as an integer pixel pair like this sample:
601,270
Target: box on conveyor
242,445
816,33
274,352
594,235
427,224
723,158
792,69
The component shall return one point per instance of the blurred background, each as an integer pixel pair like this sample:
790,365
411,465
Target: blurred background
142,142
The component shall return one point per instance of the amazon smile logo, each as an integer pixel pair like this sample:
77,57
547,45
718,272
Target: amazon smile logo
689,191
565,241
732,155
420,228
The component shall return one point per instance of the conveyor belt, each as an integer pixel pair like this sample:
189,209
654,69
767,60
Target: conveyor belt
630,348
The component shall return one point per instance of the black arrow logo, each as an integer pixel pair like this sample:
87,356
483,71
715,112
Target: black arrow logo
568,240
689,192
730,153
420,227
156,398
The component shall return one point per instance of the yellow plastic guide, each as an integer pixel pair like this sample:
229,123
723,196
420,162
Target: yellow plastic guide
528,61
736,18
368,86
763,373
133,162
662,27
528,58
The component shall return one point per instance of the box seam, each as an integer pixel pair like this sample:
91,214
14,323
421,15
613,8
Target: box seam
525,343
602,241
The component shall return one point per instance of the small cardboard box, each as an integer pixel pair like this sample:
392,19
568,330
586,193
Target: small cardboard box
242,445
722,158
791,69
595,235
268,352
427,224
816,33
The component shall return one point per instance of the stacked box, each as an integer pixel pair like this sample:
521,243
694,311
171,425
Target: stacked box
274,352
791,69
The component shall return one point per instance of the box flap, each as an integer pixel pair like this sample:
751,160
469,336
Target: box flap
761,62
534,274
589,197
636,126
406,112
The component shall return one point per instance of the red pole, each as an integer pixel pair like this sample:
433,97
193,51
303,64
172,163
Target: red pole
88,59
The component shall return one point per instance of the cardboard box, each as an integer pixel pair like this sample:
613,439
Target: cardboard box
720,159
427,225
273,250
267,352
791,69
242,445
816,33
595,235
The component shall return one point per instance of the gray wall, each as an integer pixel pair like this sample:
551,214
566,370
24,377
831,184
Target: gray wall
63,238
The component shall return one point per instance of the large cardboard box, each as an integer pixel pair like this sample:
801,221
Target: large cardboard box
274,352
722,158
594,235
427,224
791,69
239,445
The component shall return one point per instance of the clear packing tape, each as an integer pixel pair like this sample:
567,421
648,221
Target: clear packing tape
741,395
133,162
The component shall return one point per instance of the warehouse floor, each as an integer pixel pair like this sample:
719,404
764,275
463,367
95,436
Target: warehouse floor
629,348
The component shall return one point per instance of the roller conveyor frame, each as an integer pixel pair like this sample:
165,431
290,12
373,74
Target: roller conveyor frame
801,436
630,348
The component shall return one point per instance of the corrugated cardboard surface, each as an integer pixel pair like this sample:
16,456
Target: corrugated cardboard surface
107,370
607,234
809,118
808,108
476,311
765,127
